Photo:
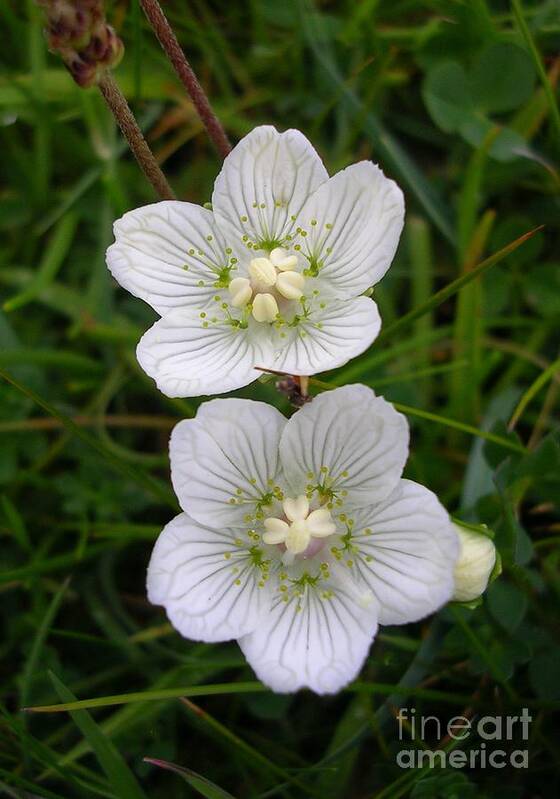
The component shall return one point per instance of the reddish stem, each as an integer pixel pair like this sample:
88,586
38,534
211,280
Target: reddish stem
120,109
172,48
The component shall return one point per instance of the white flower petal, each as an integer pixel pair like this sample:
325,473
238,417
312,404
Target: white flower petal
168,254
408,554
322,646
354,440
208,585
353,223
224,460
264,181
187,359
327,339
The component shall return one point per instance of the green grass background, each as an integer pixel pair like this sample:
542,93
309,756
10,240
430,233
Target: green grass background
457,101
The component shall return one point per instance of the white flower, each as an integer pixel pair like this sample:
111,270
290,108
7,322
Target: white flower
271,277
477,558
299,536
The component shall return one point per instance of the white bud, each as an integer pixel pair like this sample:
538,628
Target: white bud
282,260
240,291
265,308
477,558
262,272
290,285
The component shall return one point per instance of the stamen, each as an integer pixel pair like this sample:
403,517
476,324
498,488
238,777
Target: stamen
301,528
296,509
290,285
270,280
240,291
281,260
265,308
262,272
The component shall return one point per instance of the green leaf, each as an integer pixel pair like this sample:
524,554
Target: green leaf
204,787
459,102
543,674
507,604
478,480
447,96
502,78
121,778
506,144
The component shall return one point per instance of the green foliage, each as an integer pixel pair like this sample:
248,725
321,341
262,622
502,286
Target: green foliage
201,785
458,103
120,778
501,79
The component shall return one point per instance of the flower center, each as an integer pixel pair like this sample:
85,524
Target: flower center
299,527
269,279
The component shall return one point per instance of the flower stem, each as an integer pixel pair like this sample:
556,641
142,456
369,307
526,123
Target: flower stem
172,48
120,109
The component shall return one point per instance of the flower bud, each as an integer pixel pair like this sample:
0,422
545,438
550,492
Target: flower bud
477,558
78,32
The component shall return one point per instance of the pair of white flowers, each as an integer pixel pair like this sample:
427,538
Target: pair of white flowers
298,537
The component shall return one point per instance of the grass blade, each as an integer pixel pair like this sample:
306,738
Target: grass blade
157,695
464,428
39,641
251,755
533,389
126,469
17,525
453,287
121,778
57,250
532,47
204,787
390,151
